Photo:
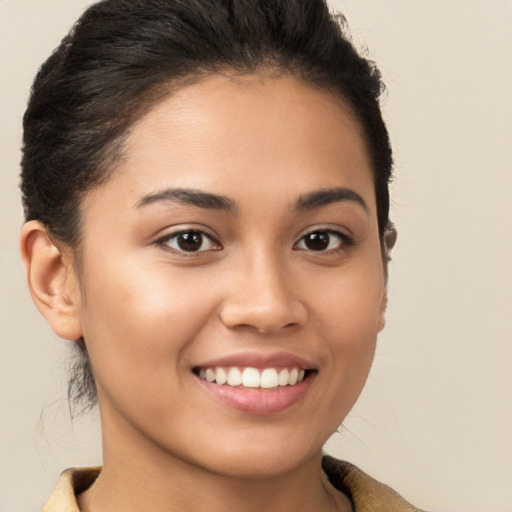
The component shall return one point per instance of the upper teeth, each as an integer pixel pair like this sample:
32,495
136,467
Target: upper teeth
252,377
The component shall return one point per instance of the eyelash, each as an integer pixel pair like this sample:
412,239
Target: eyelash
345,241
164,241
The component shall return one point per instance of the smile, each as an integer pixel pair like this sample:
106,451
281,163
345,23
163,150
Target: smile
249,377
257,384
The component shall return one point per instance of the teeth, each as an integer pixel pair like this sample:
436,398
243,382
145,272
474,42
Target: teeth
220,376
251,378
267,378
283,377
234,377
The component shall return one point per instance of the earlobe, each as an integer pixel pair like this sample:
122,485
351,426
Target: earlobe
51,280
383,307
389,240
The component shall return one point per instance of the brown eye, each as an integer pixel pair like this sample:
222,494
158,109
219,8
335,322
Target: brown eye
319,241
190,241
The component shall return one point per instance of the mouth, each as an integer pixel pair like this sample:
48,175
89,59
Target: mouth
270,378
257,384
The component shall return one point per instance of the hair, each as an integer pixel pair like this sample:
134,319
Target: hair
124,56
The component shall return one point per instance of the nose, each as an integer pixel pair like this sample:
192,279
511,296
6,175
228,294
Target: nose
261,297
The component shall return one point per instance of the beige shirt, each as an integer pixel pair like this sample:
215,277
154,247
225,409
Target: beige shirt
366,494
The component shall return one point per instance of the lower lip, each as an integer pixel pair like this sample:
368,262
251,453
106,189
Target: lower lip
260,401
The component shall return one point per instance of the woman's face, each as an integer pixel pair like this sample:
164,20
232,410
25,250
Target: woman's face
237,239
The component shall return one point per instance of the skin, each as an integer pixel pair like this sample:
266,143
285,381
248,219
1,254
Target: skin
150,313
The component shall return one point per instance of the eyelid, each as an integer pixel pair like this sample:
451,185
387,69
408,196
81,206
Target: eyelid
177,230
347,240
329,228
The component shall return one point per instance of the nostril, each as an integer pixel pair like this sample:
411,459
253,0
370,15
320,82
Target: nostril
270,330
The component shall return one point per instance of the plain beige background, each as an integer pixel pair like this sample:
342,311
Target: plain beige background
435,420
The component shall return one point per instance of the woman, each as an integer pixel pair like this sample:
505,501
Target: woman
206,193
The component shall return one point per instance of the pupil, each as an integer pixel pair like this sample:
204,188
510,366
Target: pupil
317,241
190,241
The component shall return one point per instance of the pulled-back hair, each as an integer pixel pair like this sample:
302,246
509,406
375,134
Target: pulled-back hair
124,56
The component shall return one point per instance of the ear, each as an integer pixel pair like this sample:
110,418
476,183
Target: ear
51,280
383,307
390,236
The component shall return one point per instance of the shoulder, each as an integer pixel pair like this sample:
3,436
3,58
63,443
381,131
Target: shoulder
366,493
71,482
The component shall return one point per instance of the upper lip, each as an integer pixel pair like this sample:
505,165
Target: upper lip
255,360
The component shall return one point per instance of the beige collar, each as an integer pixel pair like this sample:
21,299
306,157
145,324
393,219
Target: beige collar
366,494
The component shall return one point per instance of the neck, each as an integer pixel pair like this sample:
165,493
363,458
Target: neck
139,476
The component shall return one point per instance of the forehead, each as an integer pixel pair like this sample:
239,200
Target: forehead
233,134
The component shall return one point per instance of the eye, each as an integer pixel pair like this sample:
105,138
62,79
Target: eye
191,240
323,240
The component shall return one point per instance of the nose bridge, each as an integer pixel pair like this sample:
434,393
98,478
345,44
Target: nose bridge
261,294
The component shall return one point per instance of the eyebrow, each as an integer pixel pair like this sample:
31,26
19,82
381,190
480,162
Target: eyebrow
192,197
328,196
209,201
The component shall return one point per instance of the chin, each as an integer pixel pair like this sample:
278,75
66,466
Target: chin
250,466
262,453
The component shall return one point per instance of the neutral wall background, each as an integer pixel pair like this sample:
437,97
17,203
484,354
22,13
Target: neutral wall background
435,420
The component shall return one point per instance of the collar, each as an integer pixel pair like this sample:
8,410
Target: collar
365,493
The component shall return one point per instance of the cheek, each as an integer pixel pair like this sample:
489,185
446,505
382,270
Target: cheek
351,303
137,321
349,313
